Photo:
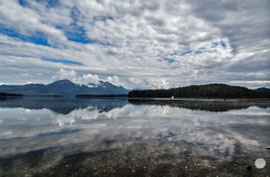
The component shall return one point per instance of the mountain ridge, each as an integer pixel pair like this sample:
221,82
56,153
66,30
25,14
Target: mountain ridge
64,87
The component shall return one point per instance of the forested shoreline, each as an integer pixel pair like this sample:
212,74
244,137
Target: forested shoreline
203,91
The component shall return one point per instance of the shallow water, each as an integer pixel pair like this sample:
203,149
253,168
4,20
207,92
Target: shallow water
115,137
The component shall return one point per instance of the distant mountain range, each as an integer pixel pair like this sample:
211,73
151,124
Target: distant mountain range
65,88
68,88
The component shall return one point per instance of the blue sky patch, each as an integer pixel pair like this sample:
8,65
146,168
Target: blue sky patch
198,52
75,13
102,18
222,43
77,34
23,3
68,62
201,50
37,38
169,60
187,52
50,3
111,53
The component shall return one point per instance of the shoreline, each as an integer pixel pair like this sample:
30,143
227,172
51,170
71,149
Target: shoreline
201,99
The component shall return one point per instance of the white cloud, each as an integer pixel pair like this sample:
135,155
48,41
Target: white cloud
71,75
129,41
251,82
24,74
27,21
64,74
114,80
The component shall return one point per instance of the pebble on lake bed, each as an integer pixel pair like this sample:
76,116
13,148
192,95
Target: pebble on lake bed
249,167
260,163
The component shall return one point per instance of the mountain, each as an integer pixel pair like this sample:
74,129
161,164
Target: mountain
203,91
263,90
64,87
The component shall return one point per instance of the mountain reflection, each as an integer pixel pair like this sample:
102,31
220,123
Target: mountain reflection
63,105
66,105
115,133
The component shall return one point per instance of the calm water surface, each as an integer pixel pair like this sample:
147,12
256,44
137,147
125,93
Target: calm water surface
114,137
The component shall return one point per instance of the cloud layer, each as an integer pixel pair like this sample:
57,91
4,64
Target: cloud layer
136,44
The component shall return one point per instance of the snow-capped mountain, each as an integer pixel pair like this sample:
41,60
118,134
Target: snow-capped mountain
64,87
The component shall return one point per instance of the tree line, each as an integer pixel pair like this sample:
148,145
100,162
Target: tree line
202,91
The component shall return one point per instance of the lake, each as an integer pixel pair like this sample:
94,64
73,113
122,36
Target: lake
117,137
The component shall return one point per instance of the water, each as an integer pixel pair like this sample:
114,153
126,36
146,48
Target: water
115,137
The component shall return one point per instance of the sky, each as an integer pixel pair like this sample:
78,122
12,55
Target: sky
136,43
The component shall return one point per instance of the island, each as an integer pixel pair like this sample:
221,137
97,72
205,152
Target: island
209,91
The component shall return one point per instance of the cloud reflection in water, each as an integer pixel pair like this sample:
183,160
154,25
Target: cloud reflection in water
135,129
